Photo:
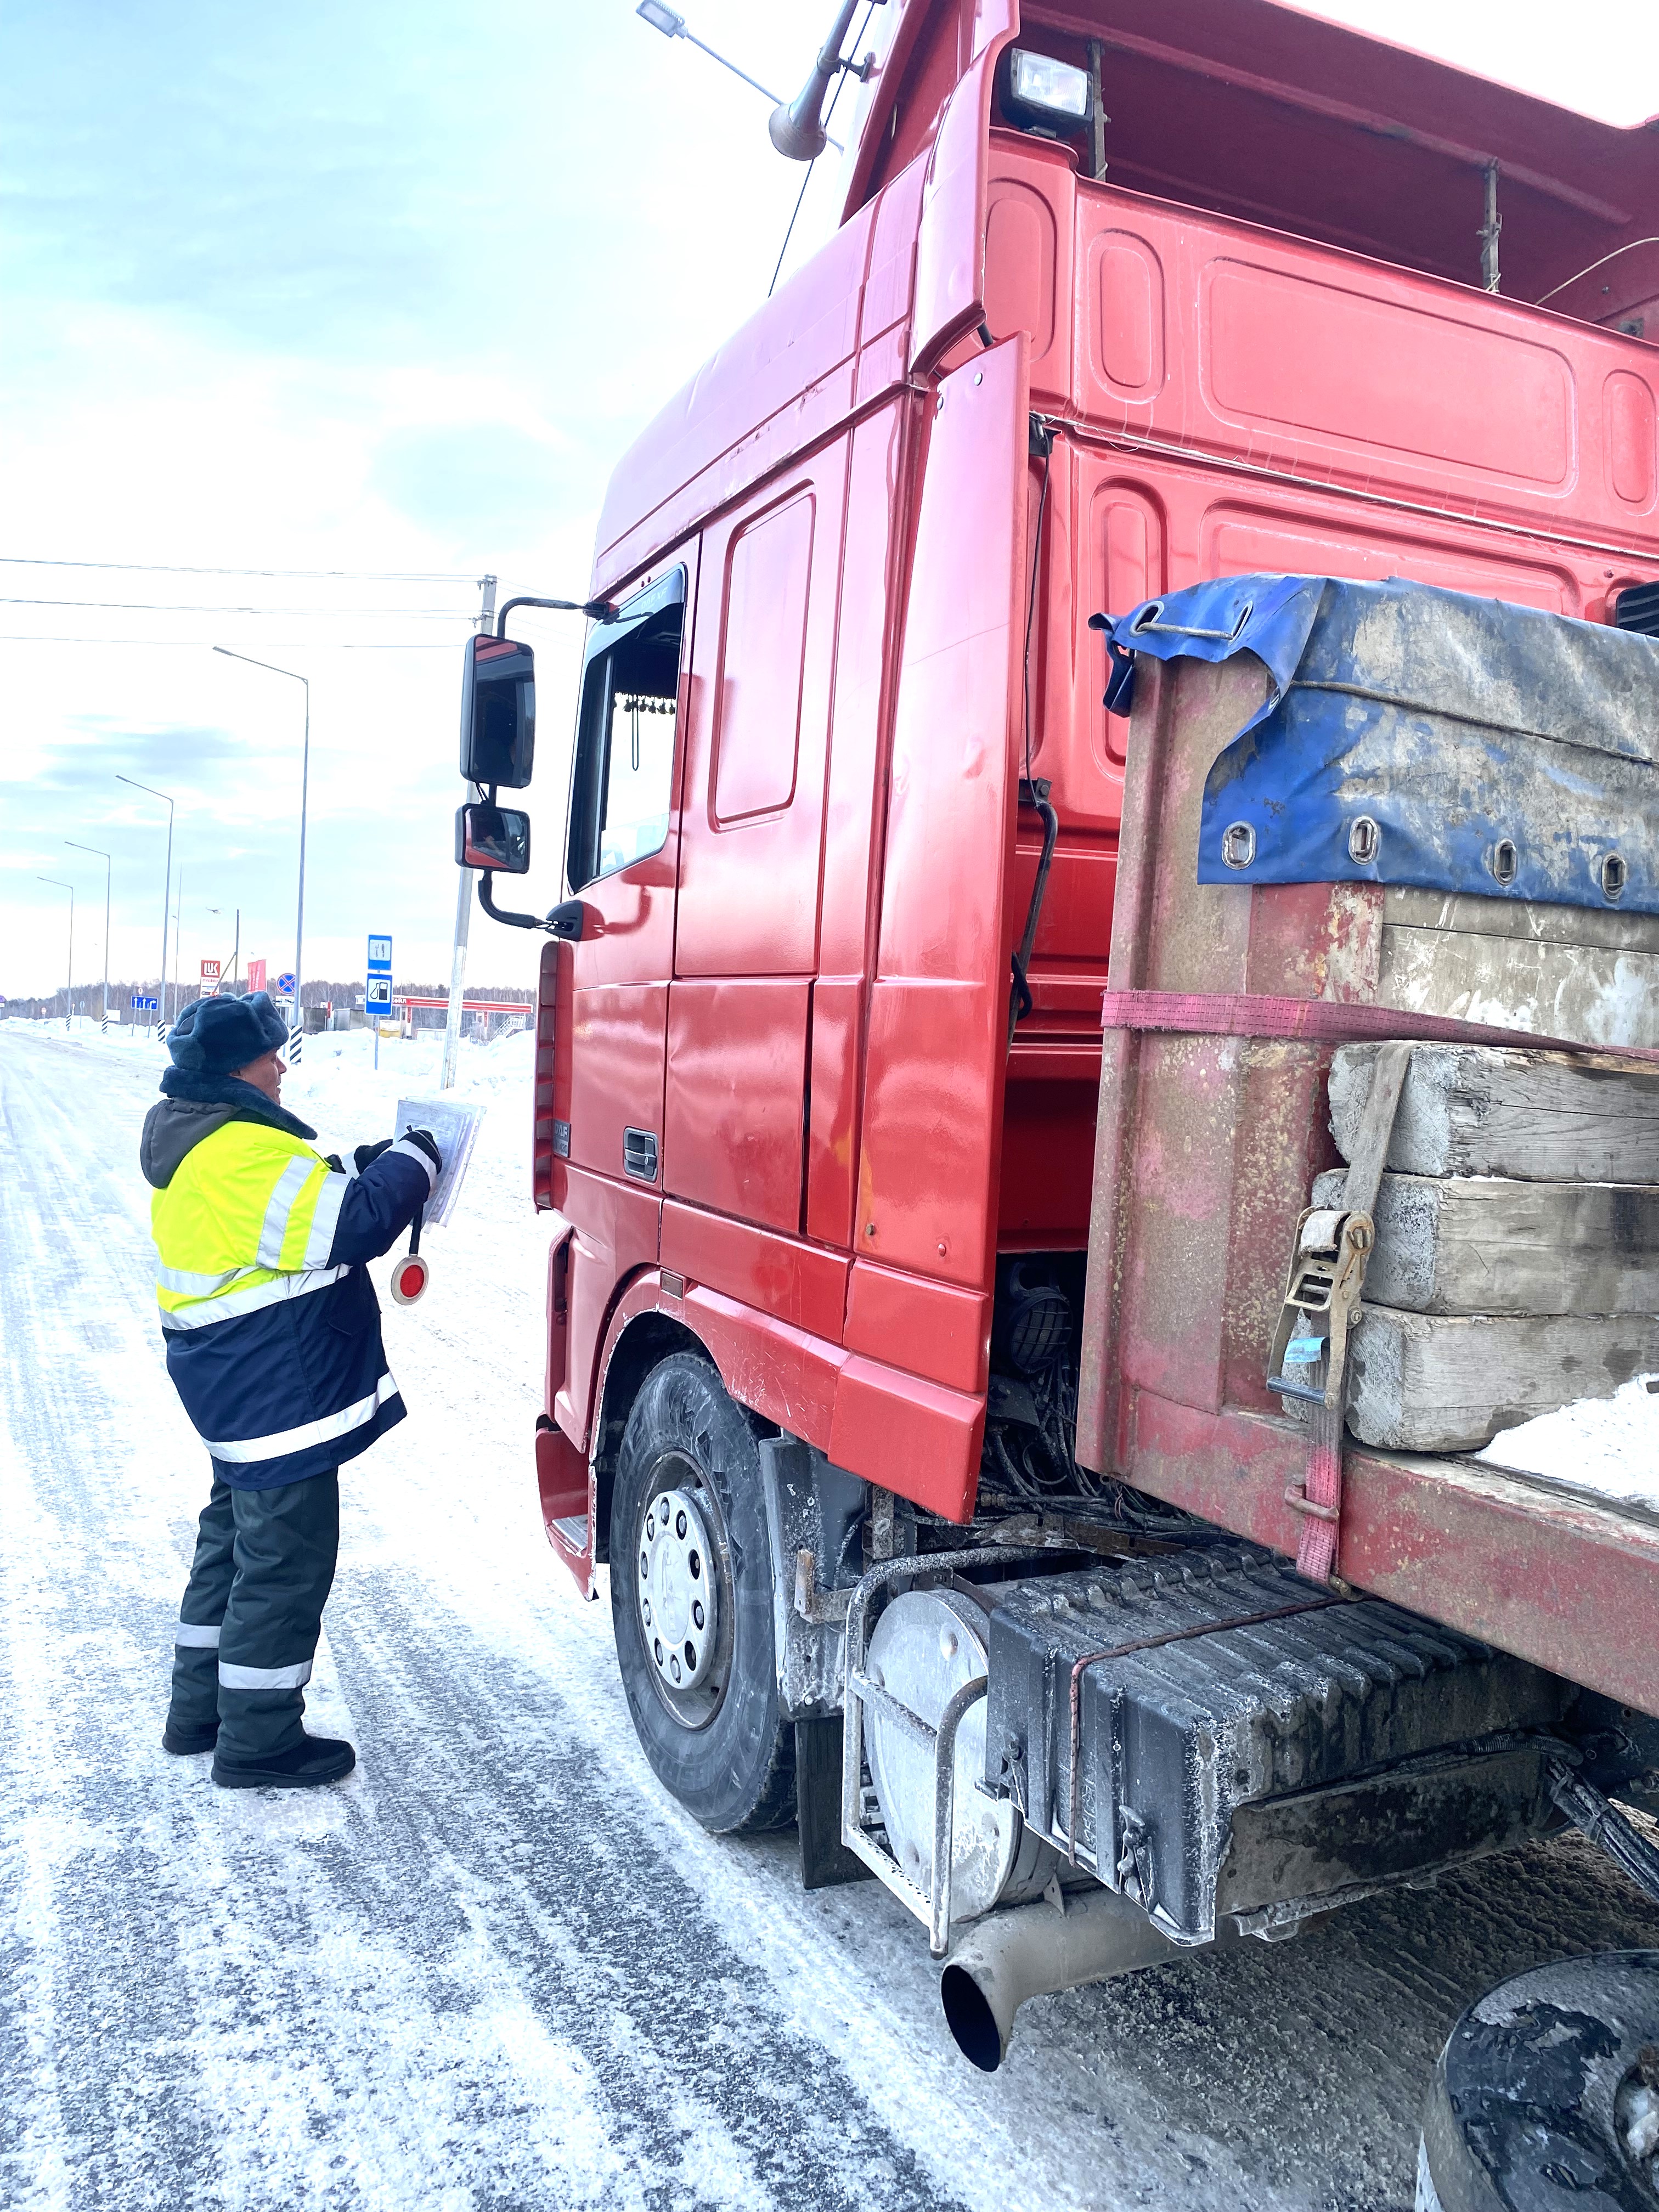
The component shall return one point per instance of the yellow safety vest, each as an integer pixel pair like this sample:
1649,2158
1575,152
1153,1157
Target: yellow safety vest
247,1221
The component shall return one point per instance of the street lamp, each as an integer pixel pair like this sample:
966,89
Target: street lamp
672,25
105,858
166,881
69,995
304,781
236,956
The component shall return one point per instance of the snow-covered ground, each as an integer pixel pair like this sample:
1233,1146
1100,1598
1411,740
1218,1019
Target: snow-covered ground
497,1968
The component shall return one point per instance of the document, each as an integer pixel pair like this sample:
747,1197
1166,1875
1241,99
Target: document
455,1128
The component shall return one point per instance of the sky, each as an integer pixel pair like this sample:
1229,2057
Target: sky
380,290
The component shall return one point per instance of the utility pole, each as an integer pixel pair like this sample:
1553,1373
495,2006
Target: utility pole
68,994
463,899
178,933
104,1018
166,882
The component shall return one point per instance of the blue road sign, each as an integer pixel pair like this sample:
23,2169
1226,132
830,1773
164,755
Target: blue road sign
378,997
285,987
142,1006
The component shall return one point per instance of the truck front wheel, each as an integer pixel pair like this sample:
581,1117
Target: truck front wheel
691,1602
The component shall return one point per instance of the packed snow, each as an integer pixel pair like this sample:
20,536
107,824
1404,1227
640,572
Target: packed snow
1607,1447
498,1967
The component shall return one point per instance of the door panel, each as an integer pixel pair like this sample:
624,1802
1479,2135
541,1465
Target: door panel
937,1041
737,1051
615,1070
755,747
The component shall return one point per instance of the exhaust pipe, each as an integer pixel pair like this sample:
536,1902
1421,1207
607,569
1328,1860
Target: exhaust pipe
1033,1951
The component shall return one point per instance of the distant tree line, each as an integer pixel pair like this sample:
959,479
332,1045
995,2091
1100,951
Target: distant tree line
89,997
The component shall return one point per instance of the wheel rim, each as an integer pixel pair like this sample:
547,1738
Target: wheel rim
683,1600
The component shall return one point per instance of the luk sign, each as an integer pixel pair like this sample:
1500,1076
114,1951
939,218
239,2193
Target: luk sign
209,974
378,997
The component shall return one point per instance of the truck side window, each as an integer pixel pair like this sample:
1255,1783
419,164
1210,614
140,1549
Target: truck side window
623,786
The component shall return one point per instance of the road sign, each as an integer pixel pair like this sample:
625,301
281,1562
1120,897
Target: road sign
378,998
255,976
285,987
209,974
142,1006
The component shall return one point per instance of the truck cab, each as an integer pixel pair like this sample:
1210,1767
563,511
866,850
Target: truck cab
874,1243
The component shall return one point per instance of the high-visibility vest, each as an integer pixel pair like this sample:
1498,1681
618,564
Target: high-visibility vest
270,1323
247,1221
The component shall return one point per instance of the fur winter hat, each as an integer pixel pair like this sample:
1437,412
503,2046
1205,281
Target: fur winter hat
213,1037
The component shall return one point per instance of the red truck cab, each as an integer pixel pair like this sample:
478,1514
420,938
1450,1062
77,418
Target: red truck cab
1124,300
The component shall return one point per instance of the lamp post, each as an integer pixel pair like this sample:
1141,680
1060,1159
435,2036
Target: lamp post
236,955
294,676
462,903
166,881
105,858
68,994
671,24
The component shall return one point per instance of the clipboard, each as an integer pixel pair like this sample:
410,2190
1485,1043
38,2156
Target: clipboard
455,1128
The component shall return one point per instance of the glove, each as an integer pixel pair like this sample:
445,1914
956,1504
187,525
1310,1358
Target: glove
365,1153
333,1160
424,1139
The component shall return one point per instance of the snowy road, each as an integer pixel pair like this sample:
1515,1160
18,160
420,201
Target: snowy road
497,1968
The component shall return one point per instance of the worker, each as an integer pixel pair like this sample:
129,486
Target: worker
272,1332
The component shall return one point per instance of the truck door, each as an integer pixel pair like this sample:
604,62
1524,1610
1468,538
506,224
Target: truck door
749,852
621,861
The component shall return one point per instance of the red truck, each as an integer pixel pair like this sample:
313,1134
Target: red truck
1114,781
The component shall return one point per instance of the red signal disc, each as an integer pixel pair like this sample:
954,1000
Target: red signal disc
408,1278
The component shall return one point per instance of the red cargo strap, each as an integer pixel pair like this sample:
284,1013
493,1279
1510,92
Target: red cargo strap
1321,1021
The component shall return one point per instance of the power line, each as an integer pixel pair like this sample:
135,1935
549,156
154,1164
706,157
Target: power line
280,644
338,614
166,568
828,114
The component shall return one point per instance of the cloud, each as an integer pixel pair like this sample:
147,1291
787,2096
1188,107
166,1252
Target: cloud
463,482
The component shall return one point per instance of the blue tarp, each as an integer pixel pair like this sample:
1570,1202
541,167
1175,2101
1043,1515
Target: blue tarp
1475,735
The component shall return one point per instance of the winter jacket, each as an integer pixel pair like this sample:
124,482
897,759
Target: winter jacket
270,1323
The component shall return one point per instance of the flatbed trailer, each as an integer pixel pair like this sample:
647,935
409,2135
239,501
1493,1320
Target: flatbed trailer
1146,638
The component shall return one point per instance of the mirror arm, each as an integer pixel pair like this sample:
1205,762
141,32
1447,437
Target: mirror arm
595,610
565,921
486,900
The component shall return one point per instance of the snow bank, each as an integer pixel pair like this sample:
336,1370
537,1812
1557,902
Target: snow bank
1606,1446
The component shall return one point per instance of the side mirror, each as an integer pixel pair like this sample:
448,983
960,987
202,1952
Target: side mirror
498,714
492,837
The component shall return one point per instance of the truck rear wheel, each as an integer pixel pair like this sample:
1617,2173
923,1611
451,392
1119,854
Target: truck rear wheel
1547,2091
691,1602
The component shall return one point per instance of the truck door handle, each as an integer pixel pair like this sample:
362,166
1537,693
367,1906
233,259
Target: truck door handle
640,1154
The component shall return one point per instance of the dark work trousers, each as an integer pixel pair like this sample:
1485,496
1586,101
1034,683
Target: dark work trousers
253,1610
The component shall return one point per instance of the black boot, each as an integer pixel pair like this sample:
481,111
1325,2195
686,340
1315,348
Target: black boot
183,1741
314,1760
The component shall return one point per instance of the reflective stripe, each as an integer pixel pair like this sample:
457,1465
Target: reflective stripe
239,1450
264,1678
320,1242
291,1182
233,1303
195,1638
414,1152
198,1286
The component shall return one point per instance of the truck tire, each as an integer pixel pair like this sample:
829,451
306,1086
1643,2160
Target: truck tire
688,1523
1547,2093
